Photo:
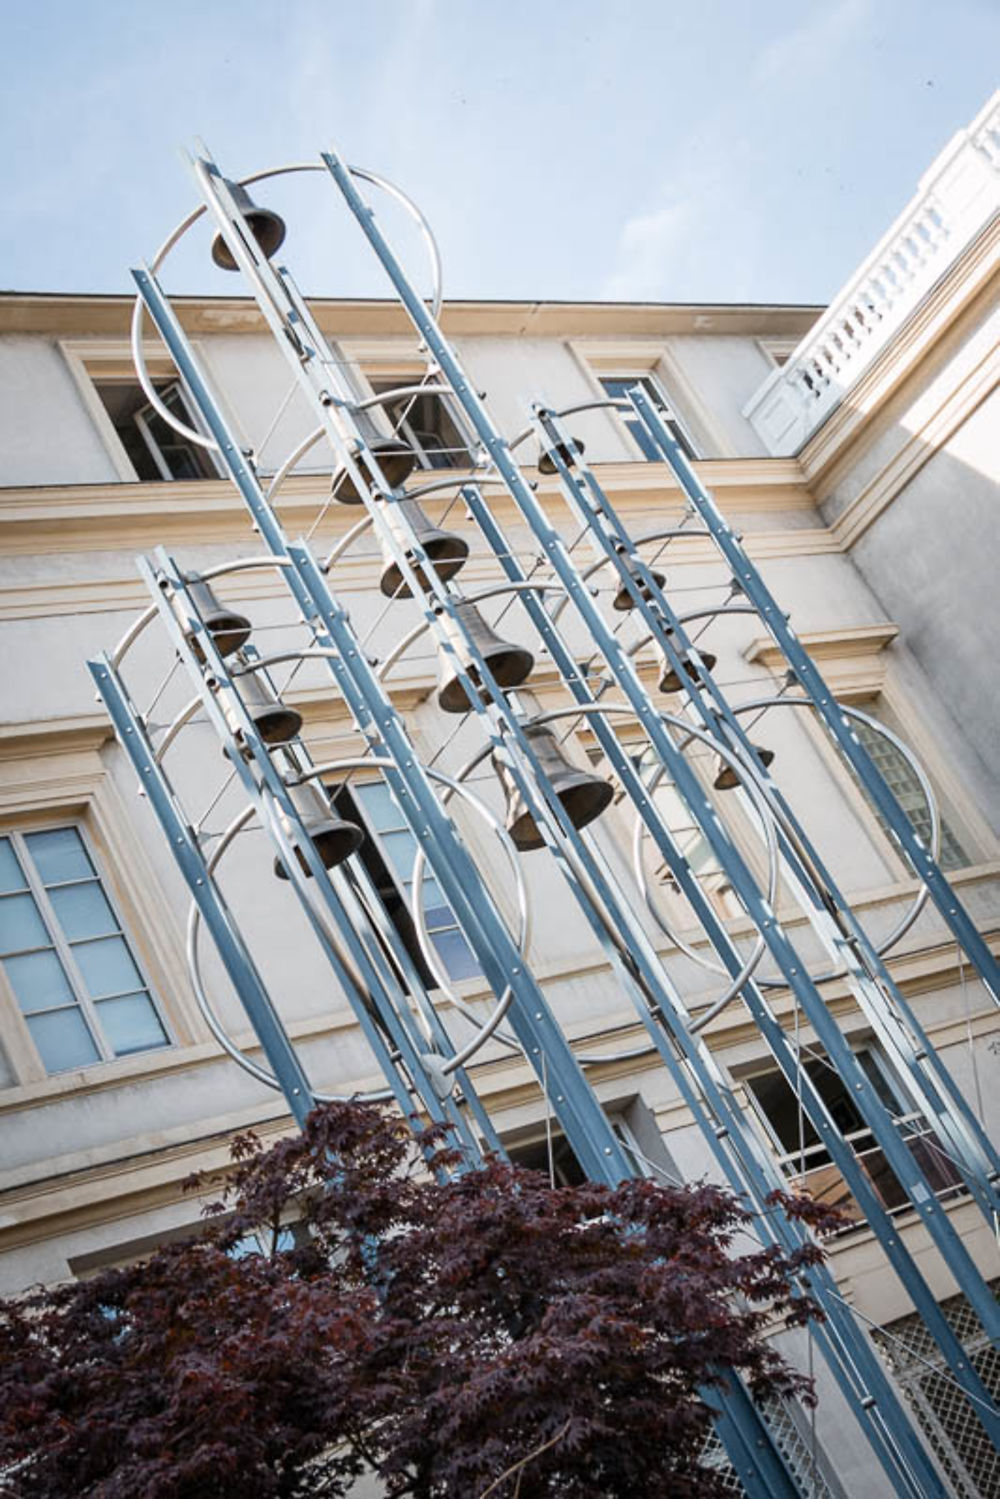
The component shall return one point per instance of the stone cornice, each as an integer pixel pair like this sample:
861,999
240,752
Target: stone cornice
851,659
109,316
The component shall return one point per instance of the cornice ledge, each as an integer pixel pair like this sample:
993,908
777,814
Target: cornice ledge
850,657
54,736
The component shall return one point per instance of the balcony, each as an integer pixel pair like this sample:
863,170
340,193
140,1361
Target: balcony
824,1183
957,198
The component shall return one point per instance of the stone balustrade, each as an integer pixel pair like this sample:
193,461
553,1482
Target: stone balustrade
956,199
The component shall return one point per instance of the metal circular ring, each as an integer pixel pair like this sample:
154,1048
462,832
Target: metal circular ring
934,812
204,1005
181,229
488,1027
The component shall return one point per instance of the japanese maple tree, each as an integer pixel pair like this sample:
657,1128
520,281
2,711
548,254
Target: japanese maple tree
469,1335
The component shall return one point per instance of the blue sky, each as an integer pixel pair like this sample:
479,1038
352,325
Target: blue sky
716,150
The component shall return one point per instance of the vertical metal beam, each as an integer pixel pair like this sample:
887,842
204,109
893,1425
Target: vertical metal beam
215,913
809,677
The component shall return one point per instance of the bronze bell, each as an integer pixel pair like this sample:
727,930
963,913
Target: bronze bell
546,463
228,629
623,600
396,459
583,794
447,552
726,778
266,226
671,681
333,837
274,721
510,664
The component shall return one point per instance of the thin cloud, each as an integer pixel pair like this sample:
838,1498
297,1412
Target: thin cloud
810,47
647,246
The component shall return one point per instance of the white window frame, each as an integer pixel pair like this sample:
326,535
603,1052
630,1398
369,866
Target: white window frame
63,949
654,387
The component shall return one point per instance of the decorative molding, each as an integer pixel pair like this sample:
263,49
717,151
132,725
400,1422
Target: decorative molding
851,659
921,446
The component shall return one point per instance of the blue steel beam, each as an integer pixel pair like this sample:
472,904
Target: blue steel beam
215,913
952,1248
747,1438
948,1111
809,677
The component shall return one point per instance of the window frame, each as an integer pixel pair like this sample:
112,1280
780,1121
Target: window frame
61,945
653,384
93,362
404,886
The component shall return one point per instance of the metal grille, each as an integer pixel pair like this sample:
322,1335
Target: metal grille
899,777
795,1445
947,1417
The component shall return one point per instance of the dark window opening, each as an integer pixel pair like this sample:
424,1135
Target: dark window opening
155,450
807,1162
617,388
426,423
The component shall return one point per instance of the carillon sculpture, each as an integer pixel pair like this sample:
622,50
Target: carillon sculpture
553,803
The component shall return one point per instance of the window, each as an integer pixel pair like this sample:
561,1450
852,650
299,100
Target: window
388,854
427,424
154,449
68,963
552,1152
903,783
689,838
807,1162
617,388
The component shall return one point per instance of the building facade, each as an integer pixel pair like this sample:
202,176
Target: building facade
865,491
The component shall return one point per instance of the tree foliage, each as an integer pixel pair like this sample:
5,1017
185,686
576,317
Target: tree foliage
465,1335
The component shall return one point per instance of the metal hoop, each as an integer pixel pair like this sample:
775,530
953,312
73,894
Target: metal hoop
138,358
934,812
485,1028
204,1005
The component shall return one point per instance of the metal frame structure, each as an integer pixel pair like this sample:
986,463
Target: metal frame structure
425,1071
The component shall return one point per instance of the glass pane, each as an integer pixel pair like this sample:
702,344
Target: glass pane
20,924
380,807
59,855
11,877
63,1040
459,960
39,981
130,1024
83,911
400,849
439,916
107,967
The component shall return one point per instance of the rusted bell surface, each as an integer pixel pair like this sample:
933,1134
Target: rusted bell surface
510,664
266,226
274,720
446,549
333,837
583,794
396,459
671,681
726,778
546,463
623,600
227,628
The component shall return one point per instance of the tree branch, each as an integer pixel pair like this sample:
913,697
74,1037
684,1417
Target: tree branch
523,1462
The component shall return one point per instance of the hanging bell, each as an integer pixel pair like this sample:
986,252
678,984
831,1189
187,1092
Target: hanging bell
623,600
228,629
266,226
583,794
546,462
274,721
333,838
510,664
726,777
671,681
396,459
446,551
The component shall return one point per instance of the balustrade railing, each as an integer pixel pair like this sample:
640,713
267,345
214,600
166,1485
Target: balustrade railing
956,199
